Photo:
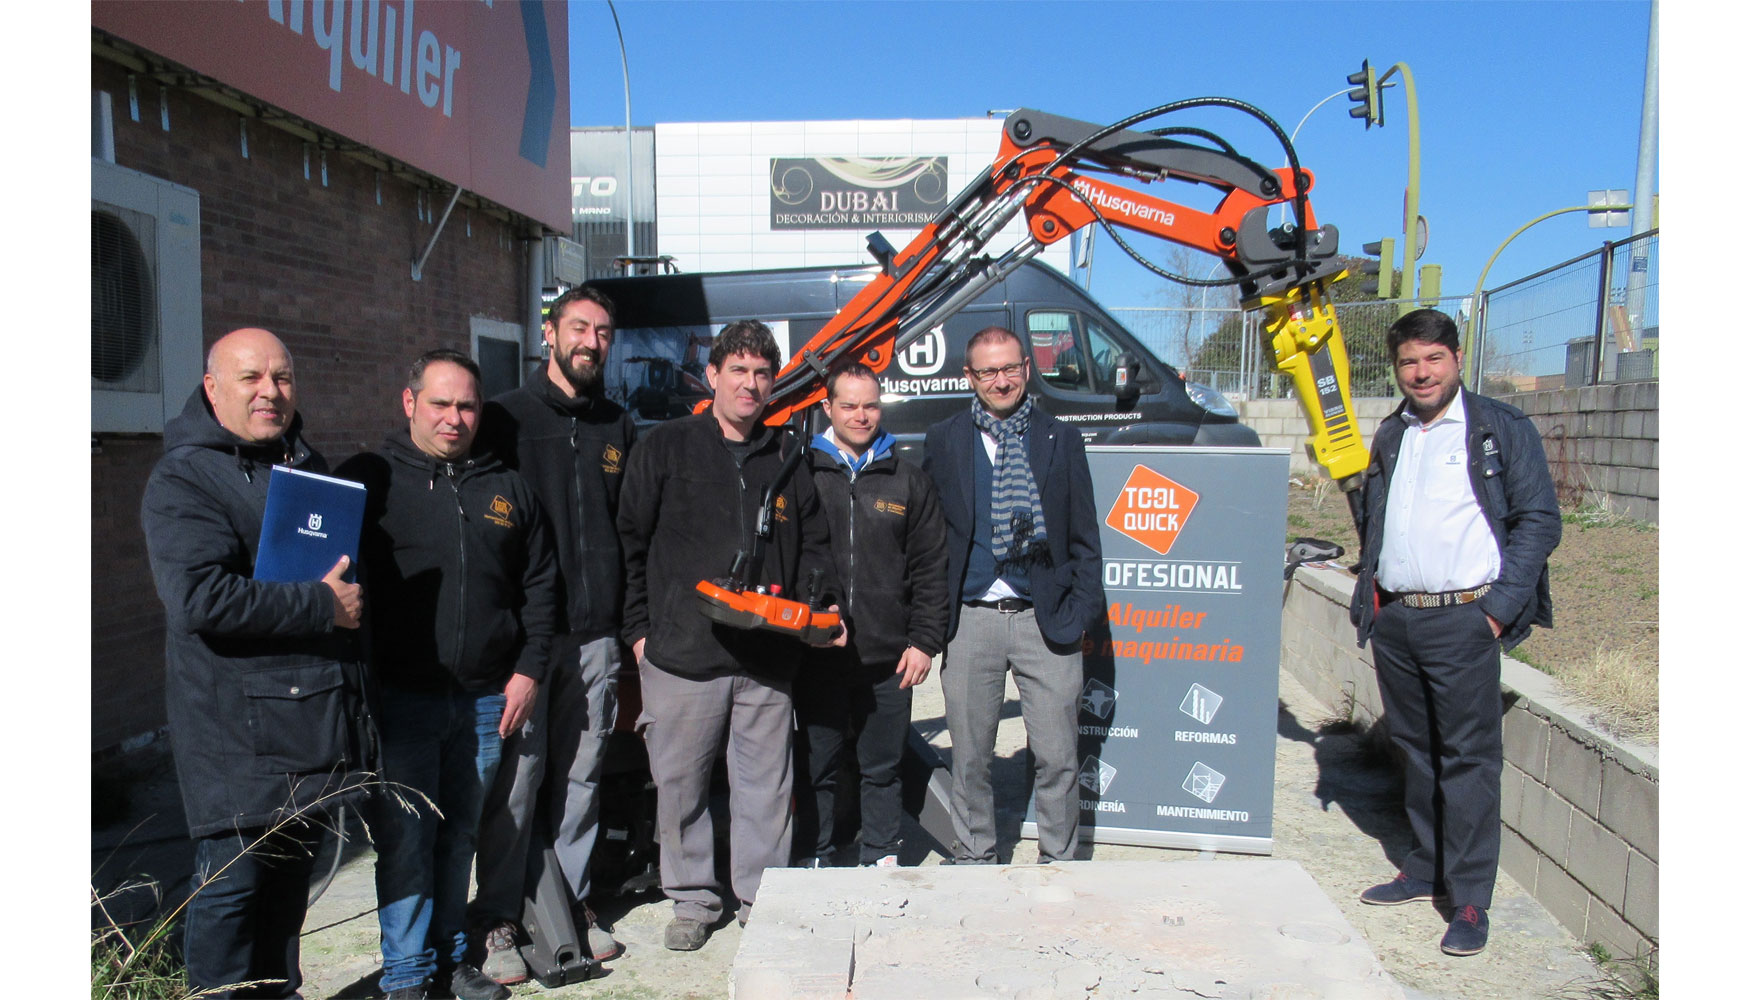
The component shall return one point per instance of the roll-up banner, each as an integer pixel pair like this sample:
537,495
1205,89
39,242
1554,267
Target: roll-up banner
1178,706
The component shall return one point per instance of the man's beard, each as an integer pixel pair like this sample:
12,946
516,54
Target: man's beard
583,379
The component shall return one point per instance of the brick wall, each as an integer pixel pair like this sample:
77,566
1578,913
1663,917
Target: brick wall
1579,810
328,270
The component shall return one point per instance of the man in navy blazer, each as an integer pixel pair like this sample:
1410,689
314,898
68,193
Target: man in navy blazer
1024,580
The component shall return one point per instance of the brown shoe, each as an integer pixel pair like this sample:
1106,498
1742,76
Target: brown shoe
601,944
503,964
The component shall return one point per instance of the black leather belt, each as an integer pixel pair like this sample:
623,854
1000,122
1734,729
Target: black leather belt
1443,599
1008,605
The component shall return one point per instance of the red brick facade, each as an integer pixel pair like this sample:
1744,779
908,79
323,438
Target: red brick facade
328,270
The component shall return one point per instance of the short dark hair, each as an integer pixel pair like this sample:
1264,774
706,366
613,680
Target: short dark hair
1430,326
992,334
582,293
855,369
745,336
416,371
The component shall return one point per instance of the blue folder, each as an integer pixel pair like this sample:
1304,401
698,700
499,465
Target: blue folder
310,522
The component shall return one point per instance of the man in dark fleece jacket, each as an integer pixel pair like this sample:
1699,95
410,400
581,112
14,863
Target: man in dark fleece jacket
262,685
460,567
687,507
561,432
890,548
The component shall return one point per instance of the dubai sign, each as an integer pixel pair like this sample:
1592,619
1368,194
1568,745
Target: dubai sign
857,192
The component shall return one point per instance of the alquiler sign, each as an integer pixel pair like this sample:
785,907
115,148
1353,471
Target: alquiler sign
1178,706
474,93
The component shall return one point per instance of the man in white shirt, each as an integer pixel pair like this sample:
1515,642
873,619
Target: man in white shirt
1458,518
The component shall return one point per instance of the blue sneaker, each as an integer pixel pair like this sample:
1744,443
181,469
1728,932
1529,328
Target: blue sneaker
1400,890
1468,931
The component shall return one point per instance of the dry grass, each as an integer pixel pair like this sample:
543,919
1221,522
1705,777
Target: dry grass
1622,685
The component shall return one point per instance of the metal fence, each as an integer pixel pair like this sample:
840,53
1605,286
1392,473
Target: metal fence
1591,319
1225,348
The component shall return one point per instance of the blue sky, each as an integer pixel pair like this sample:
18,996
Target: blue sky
1524,106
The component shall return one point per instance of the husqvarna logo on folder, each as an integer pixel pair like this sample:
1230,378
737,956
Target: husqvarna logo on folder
315,522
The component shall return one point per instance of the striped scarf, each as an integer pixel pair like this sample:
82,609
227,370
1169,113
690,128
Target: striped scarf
1014,496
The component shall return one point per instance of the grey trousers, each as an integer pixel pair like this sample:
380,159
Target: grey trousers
988,644
565,738
686,722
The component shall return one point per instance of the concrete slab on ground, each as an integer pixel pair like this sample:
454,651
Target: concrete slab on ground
1138,929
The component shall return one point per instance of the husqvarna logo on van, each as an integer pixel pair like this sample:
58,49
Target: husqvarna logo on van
925,355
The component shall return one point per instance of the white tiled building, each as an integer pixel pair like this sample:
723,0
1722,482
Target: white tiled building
714,188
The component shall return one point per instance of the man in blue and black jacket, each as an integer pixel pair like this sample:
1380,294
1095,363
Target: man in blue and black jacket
1458,518
263,679
460,567
890,549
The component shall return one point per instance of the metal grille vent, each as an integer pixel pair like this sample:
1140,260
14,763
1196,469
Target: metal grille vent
124,327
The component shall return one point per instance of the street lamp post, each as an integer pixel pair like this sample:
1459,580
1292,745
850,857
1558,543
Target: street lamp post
626,79
1473,324
1412,184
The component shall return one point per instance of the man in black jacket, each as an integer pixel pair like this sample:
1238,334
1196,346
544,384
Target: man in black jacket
1024,583
891,555
687,507
460,566
570,442
263,689
1458,520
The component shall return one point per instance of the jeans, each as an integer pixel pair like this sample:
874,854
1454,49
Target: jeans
444,747
840,701
243,921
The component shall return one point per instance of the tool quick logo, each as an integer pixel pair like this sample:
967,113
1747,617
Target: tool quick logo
1200,703
1204,781
1151,509
925,355
1096,775
1099,699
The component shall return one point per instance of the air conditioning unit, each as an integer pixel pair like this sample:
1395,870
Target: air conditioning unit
145,299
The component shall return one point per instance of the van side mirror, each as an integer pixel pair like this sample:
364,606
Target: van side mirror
1125,371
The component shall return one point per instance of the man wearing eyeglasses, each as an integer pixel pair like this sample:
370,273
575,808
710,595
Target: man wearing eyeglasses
1024,566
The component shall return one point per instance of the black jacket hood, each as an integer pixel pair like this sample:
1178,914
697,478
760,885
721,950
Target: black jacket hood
197,427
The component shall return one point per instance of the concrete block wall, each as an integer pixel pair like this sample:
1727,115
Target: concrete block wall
1579,809
1602,442
1281,423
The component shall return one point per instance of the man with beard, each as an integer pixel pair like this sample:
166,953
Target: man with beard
1024,584
570,442
1458,518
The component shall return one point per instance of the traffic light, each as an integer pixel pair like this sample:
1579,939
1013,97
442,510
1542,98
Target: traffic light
1430,285
1382,280
1366,96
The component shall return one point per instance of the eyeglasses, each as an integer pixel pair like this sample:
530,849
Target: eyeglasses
990,374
